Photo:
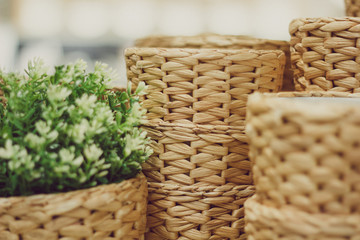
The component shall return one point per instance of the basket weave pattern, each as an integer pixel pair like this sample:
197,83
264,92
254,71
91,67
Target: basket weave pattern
114,211
223,42
267,223
203,86
325,54
305,158
195,154
352,8
196,213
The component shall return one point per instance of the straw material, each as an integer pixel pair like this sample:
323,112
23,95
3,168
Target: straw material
196,213
305,153
325,54
267,223
352,8
221,42
204,86
187,154
114,211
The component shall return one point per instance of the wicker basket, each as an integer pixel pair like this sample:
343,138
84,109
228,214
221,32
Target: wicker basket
305,151
267,223
352,8
188,154
114,211
221,42
196,213
325,54
203,86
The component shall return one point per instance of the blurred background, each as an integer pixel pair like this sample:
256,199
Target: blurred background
61,31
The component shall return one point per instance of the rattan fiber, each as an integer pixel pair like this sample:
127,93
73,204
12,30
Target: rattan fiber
267,223
187,154
203,86
197,212
325,54
220,42
114,211
352,8
306,155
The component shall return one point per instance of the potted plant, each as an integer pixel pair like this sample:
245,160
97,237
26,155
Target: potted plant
70,155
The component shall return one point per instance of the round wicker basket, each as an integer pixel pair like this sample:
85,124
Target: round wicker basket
203,86
305,151
352,8
196,212
221,42
114,211
267,223
325,54
188,154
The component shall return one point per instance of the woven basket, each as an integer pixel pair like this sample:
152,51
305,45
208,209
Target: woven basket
223,42
305,151
188,154
203,86
352,8
196,213
325,54
114,211
267,223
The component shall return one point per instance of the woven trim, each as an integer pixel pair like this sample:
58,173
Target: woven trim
267,223
114,211
196,212
204,86
324,54
305,155
352,8
186,154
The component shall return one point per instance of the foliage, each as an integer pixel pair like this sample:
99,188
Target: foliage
67,130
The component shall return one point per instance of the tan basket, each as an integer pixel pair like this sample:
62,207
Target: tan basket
114,211
196,213
305,151
221,42
267,223
187,154
204,86
352,8
325,54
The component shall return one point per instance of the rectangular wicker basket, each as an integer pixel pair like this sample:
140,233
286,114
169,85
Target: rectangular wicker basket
203,86
223,42
352,8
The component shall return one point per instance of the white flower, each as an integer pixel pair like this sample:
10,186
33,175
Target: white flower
66,155
34,141
57,93
9,151
77,132
42,127
92,153
78,161
86,104
52,135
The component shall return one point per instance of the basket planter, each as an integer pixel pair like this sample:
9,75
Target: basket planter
223,42
325,54
305,151
196,212
268,223
114,211
352,8
203,86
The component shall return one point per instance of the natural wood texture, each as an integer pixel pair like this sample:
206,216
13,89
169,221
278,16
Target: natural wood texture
197,212
305,152
268,223
325,54
352,8
223,42
203,86
187,154
114,211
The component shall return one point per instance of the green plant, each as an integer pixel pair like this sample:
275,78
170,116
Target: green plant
67,130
